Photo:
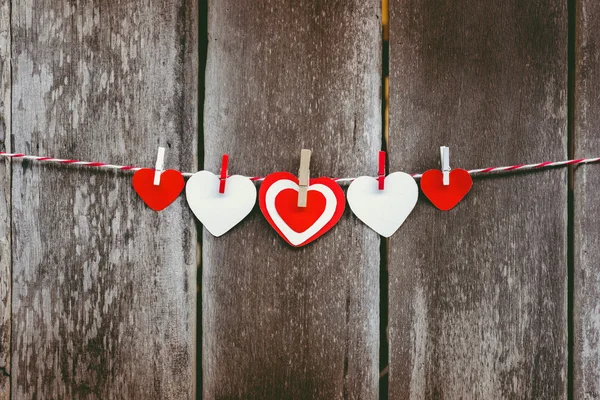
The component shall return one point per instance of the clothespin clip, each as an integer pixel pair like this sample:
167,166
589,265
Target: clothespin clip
160,165
303,177
445,155
223,177
381,171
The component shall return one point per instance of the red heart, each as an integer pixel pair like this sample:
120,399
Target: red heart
158,197
278,198
446,197
300,218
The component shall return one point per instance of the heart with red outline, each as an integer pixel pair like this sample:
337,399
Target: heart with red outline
158,197
278,199
445,197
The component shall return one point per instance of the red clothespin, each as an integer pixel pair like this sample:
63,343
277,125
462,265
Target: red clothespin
223,177
381,173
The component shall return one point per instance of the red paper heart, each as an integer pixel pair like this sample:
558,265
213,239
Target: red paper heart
300,219
278,198
446,197
158,197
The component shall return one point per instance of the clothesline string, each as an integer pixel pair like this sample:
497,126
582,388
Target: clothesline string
96,164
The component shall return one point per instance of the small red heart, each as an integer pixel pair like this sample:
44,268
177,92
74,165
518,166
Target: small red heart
299,218
158,197
278,198
446,197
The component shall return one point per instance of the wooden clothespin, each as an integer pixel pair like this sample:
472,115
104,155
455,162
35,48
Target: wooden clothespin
160,165
303,177
223,177
445,155
381,171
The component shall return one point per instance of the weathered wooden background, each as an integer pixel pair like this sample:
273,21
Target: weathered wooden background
277,321
103,289
586,213
497,298
478,295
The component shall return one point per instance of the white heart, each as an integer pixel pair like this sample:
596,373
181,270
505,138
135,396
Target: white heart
219,212
294,237
385,210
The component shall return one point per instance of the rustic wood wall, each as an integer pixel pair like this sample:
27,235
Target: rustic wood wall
98,293
5,201
586,350
281,322
103,287
478,305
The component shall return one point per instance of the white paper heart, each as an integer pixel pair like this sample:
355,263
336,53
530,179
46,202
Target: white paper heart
219,212
385,210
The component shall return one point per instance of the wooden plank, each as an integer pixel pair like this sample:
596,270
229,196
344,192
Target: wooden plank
586,277
478,303
5,175
103,287
281,322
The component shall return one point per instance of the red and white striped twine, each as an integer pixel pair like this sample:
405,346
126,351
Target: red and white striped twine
520,167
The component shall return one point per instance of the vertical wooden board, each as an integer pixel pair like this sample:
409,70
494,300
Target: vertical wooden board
478,303
586,315
104,287
5,246
280,322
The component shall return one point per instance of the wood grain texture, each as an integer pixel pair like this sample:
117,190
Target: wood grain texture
586,314
280,322
478,304
103,287
5,208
